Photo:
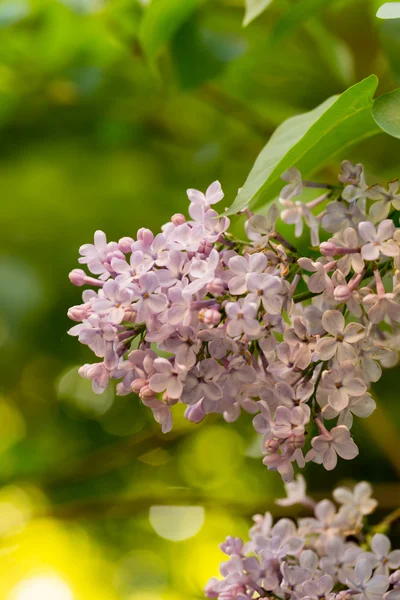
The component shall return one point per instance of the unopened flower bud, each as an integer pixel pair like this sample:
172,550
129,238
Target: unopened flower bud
137,385
146,392
78,313
216,287
110,357
342,293
145,235
77,277
210,316
195,413
169,401
125,244
123,347
130,316
205,247
272,445
178,219
329,249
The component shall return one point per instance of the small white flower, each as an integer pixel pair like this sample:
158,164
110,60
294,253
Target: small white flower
378,240
382,558
242,318
326,447
342,337
366,586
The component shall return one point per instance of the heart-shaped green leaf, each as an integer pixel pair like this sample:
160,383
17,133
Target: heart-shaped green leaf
309,140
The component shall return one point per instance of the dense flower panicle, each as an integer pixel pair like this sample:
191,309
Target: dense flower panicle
324,557
194,315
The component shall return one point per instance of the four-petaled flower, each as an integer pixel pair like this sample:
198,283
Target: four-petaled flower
340,342
378,240
327,446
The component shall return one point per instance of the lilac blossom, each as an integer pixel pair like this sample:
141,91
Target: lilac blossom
313,558
193,315
330,444
378,240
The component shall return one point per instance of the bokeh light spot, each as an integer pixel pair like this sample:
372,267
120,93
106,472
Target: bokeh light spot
42,587
12,425
212,457
20,277
140,571
15,510
78,393
177,523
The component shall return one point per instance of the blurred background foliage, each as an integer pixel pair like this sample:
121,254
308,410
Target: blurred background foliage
109,110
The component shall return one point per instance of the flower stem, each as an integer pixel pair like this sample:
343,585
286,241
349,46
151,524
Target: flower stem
382,268
387,522
279,238
326,186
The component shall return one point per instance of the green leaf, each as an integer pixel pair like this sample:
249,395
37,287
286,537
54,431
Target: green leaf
295,16
386,112
254,8
211,52
390,39
333,51
161,20
309,140
389,10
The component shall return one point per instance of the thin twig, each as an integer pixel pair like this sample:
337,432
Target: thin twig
387,522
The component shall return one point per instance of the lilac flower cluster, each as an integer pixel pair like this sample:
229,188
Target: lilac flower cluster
195,315
328,556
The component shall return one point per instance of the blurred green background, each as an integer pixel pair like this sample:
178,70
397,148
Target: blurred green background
109,110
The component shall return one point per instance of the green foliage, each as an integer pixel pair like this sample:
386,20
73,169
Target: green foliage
195,44
386,112
334,51
308,141
91,139
161,20
389,30
296,15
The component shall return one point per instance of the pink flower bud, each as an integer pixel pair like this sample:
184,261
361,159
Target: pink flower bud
216,287
122,348
210,316
298,441
77,277
328,249
195,413
205,248
178,219
145,235
272,461
342,293
130,315
169,401
78,313
272,445
146,392
125,244
110,357
137,385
